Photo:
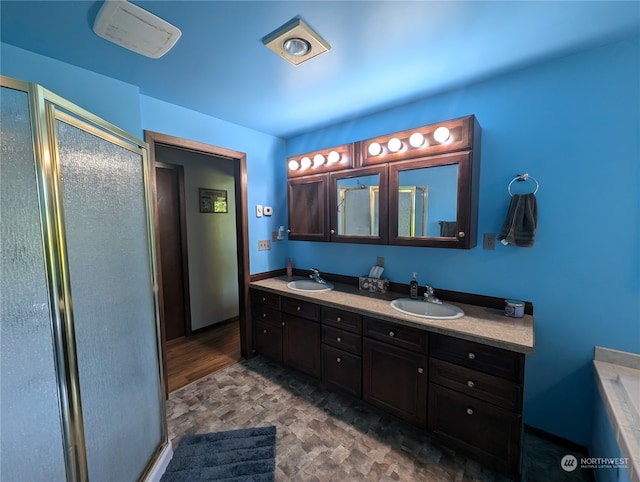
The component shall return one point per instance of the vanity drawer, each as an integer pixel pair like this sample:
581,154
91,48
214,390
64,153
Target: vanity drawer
341,339
264,298
263,313
490,433
491,389
488,359
342,319
303,309
395,334
342,370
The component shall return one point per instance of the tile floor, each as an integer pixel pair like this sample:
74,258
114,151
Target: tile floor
324,436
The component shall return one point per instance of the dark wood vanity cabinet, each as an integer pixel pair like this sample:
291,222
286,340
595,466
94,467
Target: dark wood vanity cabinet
301,336
475,400
267,324
342,350
395,369
468,395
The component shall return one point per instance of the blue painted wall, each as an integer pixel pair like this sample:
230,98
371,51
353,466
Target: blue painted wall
573,124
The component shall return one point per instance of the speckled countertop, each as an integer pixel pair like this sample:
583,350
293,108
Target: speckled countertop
483,325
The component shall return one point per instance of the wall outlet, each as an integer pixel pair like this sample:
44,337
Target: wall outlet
264,245
489,241
258,210
380,261
268,210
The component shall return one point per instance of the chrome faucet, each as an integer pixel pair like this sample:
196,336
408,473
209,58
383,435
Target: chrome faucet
430,297
315,275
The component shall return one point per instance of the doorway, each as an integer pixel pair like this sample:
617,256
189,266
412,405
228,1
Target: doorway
158,142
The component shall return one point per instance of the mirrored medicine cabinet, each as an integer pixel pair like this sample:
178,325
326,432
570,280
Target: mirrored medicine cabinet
391,189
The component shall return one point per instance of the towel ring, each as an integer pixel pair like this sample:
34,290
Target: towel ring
523,177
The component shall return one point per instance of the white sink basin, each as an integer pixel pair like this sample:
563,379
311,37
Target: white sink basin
309,286
423,309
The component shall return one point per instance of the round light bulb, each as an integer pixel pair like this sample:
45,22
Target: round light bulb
296,47
441,134
333,157
293,165
305,163
416,139
394,144
375,149
318,160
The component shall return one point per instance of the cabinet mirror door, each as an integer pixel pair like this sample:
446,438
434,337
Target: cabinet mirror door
307,208
429,201
358,206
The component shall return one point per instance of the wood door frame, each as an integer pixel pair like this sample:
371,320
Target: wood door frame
182,209
242,228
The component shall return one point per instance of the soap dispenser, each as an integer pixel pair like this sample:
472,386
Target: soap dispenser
413,287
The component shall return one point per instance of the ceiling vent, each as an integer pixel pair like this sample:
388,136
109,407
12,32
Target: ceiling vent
134,28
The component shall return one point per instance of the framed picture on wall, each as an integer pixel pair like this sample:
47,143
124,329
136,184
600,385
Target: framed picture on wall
213,201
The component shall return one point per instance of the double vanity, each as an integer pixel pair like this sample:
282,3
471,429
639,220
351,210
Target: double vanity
458,372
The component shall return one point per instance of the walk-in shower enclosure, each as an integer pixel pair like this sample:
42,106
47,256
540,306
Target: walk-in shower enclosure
82,395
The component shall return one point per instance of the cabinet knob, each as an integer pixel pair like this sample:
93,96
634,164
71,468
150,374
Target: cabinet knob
339,318
339,360
471,355
298,308
339,339
264,299
420,370
264,331
283,323
470,383
288,230
333,231
391,333
461,234
469,411
264,315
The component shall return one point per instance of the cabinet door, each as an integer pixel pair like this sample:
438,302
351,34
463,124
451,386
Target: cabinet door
307,206
395,380
268,339
342,370
301,345
486,431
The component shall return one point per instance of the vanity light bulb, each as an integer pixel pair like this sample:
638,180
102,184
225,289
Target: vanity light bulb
333,157
293,165
305,163
375,149
394,144
441,134
416,139
318,160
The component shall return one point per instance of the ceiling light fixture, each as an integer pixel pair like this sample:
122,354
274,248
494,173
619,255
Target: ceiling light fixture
296,42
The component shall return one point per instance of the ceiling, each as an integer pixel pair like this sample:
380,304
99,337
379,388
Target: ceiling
383,53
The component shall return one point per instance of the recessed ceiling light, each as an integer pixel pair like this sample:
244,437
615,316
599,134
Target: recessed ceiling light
296,42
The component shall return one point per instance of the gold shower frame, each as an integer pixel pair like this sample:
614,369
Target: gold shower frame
45,108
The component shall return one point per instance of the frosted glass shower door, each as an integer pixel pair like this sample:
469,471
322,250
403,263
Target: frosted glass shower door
114,307
31,440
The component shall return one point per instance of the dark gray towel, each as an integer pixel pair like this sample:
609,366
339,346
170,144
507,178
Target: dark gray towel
519,228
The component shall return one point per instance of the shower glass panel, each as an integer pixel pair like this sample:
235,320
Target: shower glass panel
107,236
31,441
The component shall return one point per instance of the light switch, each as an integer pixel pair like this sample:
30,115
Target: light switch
258,210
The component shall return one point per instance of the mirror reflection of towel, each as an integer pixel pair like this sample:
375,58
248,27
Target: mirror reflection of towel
447,229
519,228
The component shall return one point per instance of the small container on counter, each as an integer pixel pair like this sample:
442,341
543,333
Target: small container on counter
514,308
